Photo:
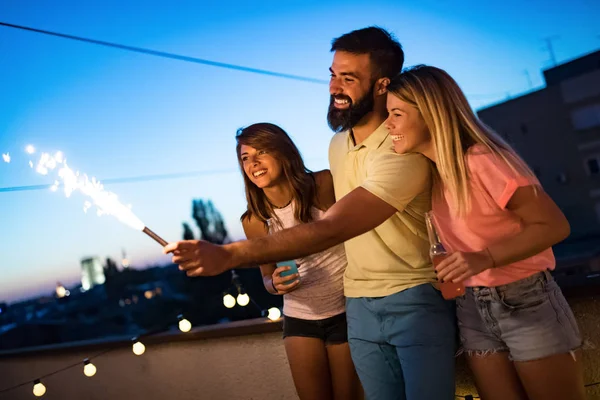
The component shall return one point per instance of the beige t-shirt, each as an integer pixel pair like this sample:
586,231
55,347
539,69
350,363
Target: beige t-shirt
395,255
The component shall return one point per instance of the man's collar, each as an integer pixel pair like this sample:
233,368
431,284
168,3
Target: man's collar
373,141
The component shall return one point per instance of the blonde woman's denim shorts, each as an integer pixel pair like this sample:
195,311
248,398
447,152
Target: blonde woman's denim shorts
530,319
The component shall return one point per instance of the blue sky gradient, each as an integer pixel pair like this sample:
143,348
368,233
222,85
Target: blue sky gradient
119,114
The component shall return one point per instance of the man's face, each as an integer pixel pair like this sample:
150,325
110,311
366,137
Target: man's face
351,89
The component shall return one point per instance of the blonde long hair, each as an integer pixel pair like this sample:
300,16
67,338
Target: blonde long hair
453,126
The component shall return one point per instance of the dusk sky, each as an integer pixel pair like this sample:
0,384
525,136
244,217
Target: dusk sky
119,114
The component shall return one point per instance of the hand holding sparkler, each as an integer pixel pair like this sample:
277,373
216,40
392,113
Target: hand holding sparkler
200,258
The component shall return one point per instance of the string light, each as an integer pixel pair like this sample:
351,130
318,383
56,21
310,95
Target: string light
184,324
138,348
274,313
243,299
61,291
228,301
38,388
89,369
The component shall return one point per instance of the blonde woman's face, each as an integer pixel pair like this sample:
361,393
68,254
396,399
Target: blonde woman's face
407,127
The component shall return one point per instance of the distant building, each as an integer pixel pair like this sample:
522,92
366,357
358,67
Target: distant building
557,131
92,273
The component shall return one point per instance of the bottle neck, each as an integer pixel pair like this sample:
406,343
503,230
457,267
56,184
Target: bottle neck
431,232
435,245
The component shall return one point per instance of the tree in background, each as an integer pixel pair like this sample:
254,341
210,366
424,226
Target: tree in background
205,294
110,269
188,234
210,222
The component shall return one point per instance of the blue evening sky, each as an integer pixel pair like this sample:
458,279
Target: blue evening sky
118,114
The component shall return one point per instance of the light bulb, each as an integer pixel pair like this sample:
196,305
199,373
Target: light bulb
89,369
38,388
274,314
243,299
138,348
185,325
61,291
229,301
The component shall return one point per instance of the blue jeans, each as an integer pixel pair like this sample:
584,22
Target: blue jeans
403,345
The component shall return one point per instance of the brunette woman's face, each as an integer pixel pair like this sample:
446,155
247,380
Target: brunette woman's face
261,167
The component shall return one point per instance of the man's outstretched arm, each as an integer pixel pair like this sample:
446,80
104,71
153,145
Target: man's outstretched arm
354,214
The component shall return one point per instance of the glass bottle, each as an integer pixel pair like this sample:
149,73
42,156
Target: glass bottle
437,252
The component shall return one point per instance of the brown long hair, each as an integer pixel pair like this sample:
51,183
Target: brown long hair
273,139
453,126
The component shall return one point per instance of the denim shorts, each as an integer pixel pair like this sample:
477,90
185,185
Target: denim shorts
332,330
530,319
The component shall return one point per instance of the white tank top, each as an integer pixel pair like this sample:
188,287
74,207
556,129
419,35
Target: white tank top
320,293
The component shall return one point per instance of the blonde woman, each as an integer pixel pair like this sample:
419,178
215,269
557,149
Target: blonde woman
517,330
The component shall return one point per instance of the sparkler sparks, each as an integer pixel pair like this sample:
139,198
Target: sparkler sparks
106,202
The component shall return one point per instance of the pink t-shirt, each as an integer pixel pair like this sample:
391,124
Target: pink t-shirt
492,184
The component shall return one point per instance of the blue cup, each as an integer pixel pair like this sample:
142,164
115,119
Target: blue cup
293,269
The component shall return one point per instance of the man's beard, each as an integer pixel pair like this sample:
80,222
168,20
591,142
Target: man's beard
342,120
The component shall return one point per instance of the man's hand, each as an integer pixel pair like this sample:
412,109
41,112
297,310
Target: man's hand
462,265
341,222
200,258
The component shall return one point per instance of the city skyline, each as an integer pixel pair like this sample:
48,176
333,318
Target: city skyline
118,114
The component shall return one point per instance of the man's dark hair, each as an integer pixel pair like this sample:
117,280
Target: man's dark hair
384,50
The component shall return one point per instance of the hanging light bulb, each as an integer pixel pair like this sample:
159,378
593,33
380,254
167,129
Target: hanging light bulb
60,291
243,299
228,300
184,324
138,348
38,388
89,369
274,314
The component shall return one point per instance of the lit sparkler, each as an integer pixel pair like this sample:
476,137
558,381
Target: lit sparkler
106,202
